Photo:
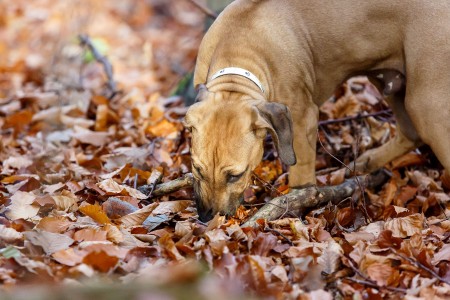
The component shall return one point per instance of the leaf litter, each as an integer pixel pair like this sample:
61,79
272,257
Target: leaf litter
72,161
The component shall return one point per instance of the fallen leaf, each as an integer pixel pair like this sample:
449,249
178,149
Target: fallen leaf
280,273
386,240
442,255
139,216
406,226
90,234
383,274
49,241
87,136
262,244
21,206
56,224
112,187
101,261
67,203
95,212
174,207
9,235
331,257
68,257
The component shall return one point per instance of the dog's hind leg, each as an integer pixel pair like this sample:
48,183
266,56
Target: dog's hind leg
393,84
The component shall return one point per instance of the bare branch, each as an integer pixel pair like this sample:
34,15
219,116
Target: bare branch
162,189
313,196
86,41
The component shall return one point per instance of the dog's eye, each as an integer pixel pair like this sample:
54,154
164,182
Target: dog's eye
234,178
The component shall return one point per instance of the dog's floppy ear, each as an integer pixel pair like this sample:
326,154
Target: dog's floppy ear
276,118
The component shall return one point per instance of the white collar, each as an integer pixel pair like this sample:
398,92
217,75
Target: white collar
240,72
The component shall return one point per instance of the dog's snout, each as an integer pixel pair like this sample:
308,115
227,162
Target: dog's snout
205,215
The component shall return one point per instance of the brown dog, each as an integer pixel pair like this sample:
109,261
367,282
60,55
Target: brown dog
266,66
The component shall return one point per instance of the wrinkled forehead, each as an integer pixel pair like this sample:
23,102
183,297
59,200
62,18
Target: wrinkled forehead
223,131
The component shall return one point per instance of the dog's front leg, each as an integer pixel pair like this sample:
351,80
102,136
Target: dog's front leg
305,120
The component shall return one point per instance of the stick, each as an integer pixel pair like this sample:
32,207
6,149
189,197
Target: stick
357,117
204,9
313,196
86,41
162,189
375,286
420,265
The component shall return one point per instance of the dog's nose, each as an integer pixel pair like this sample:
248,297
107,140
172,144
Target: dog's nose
205,215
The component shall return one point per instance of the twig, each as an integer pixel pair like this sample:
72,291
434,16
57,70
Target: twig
183,182
357,117
367,281
299,199
204,9
279,234
361,187
420,265
107,67
375,286
267,184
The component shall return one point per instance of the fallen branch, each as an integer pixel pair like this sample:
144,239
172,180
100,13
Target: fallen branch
357,117
86,41
298,200
165,188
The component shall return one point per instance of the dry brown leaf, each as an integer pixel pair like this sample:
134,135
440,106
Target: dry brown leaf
354,237
406,226
182,228
16,162
87,136
138,217
423,181
331,257
280,273
383,274
21,206
112,187
113,234
173,207
68,257
346,107
95,212
101,261
9,235
442,255
169,247
262,244
67,203
101,119
409,159
90,234
56,224
49,241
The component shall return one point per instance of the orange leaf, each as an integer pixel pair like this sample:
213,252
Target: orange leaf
409,159
95,212
100,261
57,224
90,234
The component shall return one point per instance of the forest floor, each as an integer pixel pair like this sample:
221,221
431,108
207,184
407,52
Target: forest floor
78,141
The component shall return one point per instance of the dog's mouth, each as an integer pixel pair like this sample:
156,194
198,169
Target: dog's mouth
205,214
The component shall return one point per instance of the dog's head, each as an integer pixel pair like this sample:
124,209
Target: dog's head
227,144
